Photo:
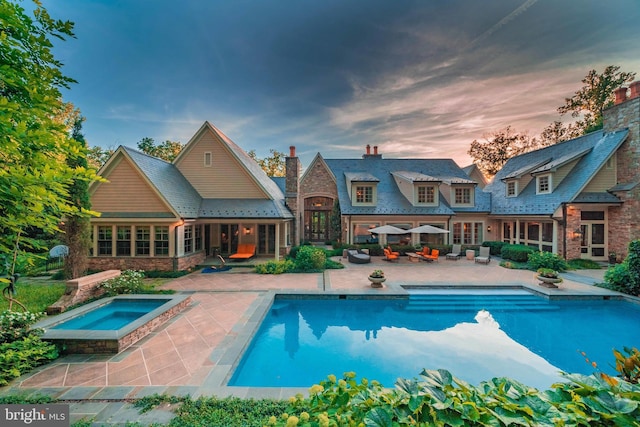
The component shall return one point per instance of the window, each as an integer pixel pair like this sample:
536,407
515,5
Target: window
462,196
161,242
198,232
105,242
188,239
512,189
361,233
468,233
426,194
364,194
123,241
544,184
143,241
207,158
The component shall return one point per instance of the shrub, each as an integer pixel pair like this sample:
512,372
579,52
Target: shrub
129,282
333,265
275,267
541,259
496,246
310,259
583,264
15,325
633,264
19,357
618,278
518,253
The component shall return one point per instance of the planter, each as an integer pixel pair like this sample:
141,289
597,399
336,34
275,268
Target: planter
548,282
612,259
376,282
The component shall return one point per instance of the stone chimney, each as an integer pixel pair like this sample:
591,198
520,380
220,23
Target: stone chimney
292,182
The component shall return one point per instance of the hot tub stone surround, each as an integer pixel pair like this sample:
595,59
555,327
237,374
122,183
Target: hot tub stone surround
112,342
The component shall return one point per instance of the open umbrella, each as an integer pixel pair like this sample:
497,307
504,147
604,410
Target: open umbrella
387,229
427,229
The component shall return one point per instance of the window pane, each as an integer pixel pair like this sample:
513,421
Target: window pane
547,231
161,243
143,241
361,233
105,242
123,241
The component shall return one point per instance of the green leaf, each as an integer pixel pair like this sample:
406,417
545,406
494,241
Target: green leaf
378,417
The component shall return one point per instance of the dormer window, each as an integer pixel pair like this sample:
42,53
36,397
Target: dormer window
512,188
543,184
463,196
364,194
426,195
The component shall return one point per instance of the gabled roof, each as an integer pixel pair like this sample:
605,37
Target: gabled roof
390,200
168,182
592,150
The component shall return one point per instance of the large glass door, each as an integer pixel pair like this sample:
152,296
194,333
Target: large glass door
592,239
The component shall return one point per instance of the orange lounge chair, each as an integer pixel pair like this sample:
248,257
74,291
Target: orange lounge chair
433,256
245,251
425,251
391,251
390,256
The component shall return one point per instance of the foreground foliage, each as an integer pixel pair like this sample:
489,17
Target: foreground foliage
625,277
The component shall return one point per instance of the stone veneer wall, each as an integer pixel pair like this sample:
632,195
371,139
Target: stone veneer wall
103,346
319,182
147,263
624,220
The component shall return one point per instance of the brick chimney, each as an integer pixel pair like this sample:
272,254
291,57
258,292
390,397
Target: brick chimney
375,150
635,89
375,154
621,95
368,150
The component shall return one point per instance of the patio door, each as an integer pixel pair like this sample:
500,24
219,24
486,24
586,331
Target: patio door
592,240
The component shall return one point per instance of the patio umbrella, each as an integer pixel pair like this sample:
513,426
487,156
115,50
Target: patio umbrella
387,229
427,229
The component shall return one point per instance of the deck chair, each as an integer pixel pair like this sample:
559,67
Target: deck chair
356,256
390,256
425,251
392,252
433,256
455,252
485,255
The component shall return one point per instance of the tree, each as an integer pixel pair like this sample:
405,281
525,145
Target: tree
96,156
596,95
34,147
167,150
557,132
273,165
77,227
498,147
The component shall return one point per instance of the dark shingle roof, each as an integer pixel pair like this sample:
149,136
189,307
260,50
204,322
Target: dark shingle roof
169,182
390,200
592,149
244,208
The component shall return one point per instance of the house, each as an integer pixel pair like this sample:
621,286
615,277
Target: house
157,215
372,191
578,198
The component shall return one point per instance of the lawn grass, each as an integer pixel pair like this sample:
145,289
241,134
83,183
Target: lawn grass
35,294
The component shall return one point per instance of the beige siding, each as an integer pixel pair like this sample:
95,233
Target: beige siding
226,178
604,180
562,172
126,191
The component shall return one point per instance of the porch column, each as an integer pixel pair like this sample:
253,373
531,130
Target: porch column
277,241
517,236
554,244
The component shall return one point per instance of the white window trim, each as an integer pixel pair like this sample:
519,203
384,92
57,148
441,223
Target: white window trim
471,197
435,195
208,159
550,180
374,194
515,189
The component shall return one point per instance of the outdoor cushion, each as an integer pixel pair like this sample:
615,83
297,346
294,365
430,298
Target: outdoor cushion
485,255
245,251
358,257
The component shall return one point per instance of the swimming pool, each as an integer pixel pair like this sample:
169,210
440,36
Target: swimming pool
110,325
477,337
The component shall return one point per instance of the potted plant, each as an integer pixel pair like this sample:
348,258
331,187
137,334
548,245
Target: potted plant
377,278
548,277
612,257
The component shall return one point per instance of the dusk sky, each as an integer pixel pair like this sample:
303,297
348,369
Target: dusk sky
419,78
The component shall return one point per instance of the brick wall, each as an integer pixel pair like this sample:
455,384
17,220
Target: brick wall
624,221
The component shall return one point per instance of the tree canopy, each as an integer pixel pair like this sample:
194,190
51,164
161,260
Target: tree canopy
167,150
498,147
274,165
35,145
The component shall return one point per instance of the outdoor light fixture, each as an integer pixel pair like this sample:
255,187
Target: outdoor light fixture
488,229
577,233
247,230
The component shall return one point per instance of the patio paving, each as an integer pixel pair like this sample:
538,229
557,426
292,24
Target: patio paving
194,352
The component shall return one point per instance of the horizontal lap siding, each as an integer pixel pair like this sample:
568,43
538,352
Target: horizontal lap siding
126,191
226,178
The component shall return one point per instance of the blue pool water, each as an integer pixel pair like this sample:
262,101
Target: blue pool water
112,316
476,337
